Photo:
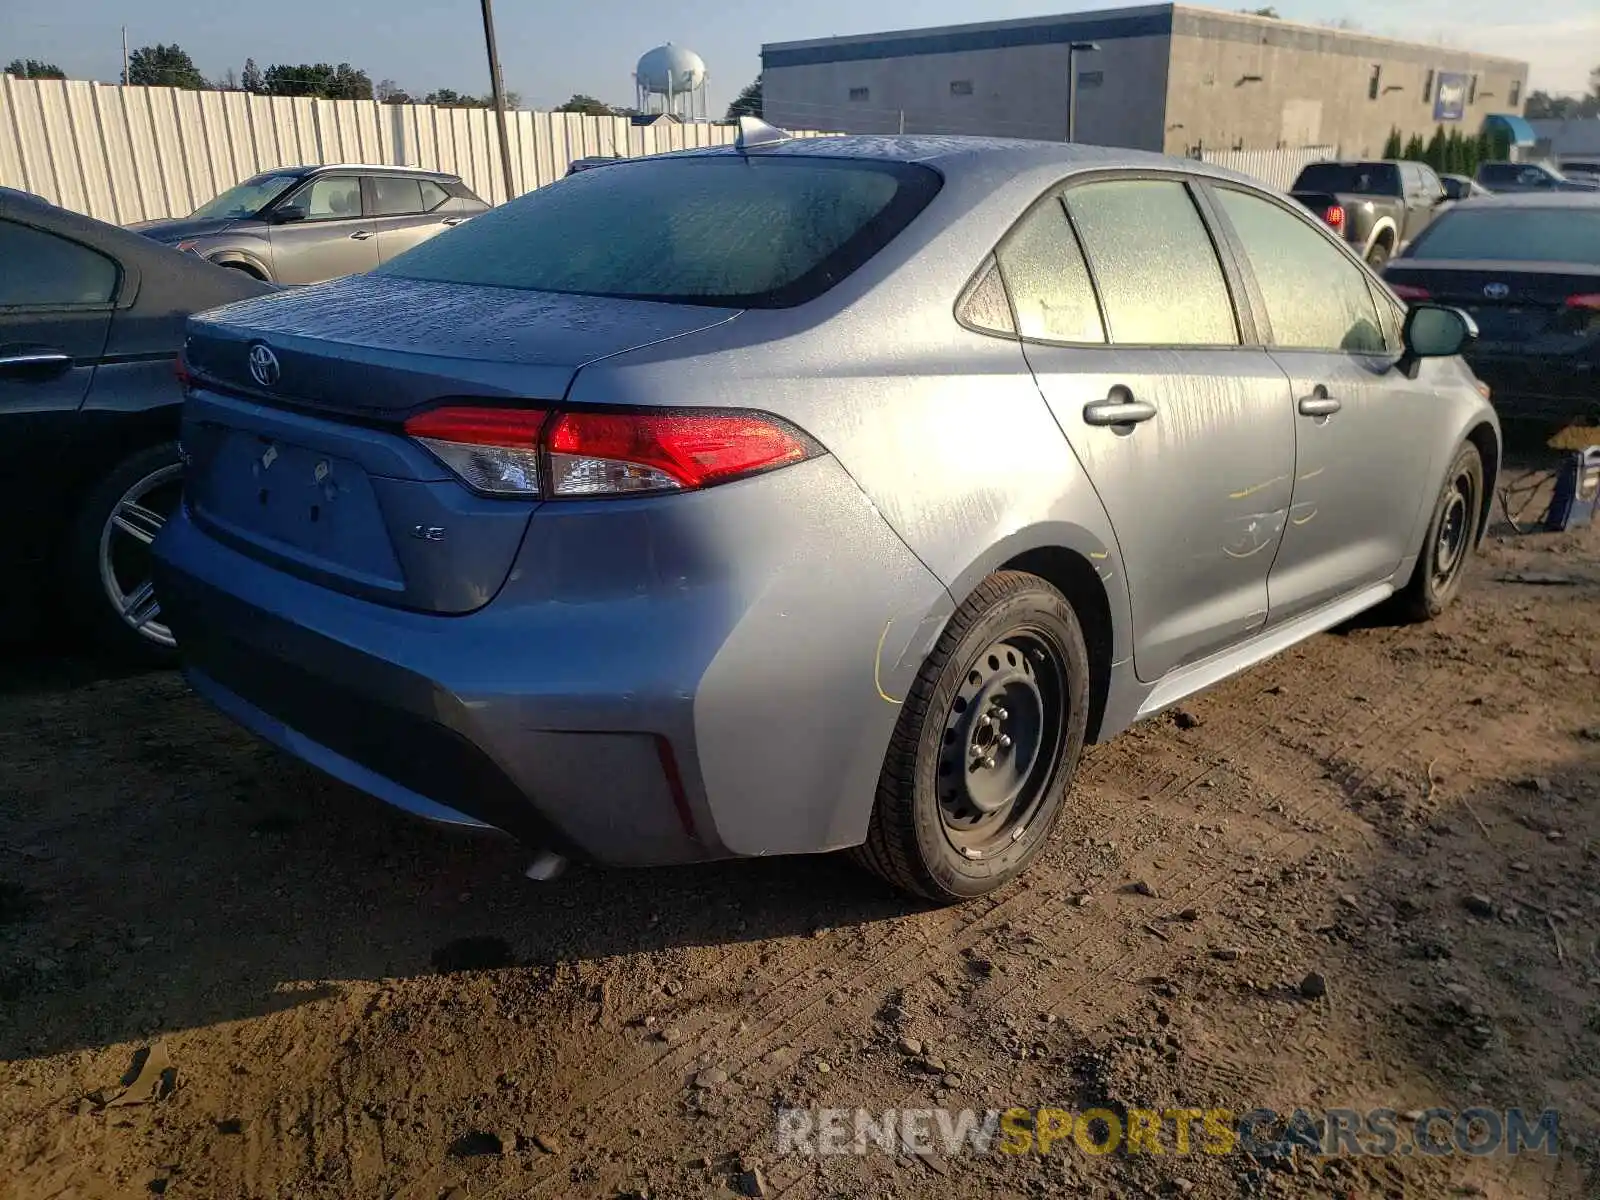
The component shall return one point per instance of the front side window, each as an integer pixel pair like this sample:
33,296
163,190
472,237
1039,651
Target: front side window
395,196
328,198
1316,298
1048,280
764,231
1159,276
43,270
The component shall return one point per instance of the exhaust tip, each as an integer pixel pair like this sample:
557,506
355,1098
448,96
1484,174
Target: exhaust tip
546,867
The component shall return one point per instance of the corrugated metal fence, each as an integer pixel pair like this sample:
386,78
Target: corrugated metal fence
136,153
1279,168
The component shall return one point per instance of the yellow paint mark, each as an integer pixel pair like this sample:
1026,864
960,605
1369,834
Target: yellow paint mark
1299,521
1312,474
877,678
1098,554
1260,487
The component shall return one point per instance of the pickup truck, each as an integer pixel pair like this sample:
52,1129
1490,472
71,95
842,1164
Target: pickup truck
1377,207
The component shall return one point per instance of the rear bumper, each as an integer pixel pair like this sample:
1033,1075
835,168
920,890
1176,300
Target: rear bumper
663,681
1540,388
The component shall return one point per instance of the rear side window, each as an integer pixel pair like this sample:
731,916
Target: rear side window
1159,276
763,232
1316,298
1049,283
432,194
395,196
41,269
1515,234
1495,173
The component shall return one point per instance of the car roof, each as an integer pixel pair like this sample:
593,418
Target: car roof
1535,200
374,168
957,154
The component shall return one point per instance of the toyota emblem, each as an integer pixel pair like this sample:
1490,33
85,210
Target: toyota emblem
1496,291
263,365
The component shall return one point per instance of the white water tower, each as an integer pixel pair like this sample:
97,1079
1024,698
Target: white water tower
671,79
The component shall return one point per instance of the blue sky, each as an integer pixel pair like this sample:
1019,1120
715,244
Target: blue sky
552,48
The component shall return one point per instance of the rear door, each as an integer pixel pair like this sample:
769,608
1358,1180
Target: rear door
56,299
1183,427
1362,464
407,210
332,237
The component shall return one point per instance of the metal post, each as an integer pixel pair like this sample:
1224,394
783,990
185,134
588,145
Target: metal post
498,91
124,54
902,120
1072,93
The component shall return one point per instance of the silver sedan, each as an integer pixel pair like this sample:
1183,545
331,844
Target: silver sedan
807,495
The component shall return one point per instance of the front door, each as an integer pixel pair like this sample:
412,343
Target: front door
1360,479
56,300
1185,432
331,237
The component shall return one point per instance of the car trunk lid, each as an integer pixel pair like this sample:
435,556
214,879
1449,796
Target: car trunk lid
1514,303
294,429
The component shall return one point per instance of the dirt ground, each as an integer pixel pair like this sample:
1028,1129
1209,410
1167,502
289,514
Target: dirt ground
349,1005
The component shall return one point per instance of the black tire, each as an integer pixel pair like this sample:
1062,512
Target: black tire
1019,636
1378,256
88,591
1451,538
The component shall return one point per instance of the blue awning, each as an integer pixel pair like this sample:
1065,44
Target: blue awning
1513,127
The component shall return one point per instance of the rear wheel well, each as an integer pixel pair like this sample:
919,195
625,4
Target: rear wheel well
1482,436
1076,579
1384,237
236,265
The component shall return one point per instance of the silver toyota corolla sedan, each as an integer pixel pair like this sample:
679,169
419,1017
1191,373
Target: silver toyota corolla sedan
805,495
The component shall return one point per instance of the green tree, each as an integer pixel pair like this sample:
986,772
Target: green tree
322,80
1394,147
164,66
1268,11
748,102
587,105
251,79
1416,149
32,68
1434,155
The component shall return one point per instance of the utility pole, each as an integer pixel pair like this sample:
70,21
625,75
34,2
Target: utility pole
498,91
1073,50
902,121
124,54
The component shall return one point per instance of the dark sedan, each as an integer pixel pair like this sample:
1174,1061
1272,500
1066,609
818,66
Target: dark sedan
1527,268
91,322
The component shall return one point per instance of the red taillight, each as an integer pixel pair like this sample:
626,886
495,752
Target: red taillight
181,370
611,453
493,450
1589,300
1335,216
507,452
1409,291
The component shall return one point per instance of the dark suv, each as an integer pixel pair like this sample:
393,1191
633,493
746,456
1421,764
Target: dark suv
307,224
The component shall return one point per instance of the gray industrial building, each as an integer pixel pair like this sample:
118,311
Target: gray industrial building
1164,77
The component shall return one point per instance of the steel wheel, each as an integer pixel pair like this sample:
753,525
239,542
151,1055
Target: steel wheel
1455,530
124,558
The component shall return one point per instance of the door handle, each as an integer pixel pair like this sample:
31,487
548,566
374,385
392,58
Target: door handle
1119,408
39,364
452,220
360,235
1319,403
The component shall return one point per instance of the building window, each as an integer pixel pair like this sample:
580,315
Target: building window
1516,92
1089,79
961,87
1472,91
860,93
1376,82
1427,89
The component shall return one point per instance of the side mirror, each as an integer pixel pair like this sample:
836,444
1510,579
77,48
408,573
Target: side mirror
286,216
1434,331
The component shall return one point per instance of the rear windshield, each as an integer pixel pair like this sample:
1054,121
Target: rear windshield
1356,179
720,230
1566,235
